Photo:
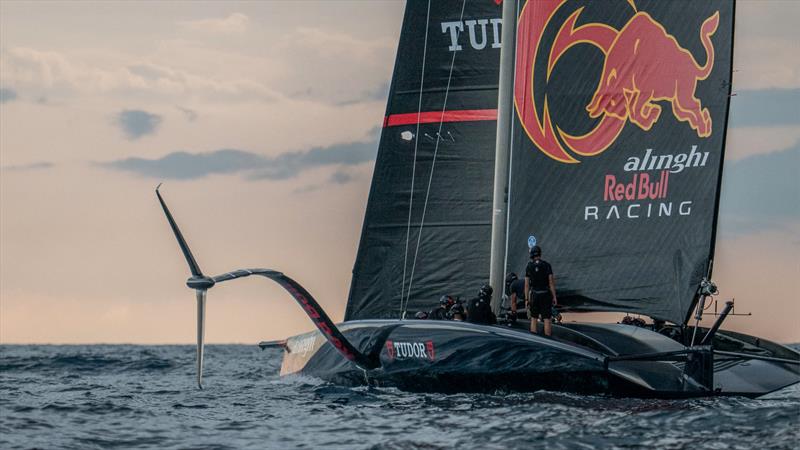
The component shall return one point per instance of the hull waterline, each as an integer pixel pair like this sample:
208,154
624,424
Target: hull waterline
447,356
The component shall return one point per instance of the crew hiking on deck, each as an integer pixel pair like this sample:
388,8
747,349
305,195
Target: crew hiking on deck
479,309
442,312
457,312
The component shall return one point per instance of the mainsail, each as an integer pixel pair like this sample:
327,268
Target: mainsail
448,109
618,146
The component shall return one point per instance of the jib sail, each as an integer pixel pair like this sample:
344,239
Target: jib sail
454,102
621,114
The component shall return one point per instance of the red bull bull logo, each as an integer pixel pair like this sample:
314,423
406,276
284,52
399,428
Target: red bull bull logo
646,72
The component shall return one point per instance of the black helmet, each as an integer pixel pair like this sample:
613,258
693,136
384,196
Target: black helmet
446,301
485,292
536,251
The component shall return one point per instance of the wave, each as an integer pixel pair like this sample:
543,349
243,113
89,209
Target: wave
89,359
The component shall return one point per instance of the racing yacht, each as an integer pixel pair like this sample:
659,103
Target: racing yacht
598,127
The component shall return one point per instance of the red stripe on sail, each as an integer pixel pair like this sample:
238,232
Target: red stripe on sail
464,115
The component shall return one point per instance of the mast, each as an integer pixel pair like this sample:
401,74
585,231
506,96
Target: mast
504,117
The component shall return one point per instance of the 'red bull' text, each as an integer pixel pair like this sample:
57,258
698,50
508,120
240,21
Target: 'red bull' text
639,188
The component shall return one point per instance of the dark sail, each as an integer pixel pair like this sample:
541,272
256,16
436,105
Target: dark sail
453,254
618,147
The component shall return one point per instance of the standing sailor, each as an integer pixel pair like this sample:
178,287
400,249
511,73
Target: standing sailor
540,290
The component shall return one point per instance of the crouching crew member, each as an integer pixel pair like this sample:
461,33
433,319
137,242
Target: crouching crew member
540,289
442,311
479,310
457,312
516,294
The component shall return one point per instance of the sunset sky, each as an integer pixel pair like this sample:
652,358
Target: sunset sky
261,119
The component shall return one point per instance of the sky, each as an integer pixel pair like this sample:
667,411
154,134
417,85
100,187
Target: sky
262,120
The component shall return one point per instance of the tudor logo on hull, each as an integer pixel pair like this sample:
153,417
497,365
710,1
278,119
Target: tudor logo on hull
646,75
396,350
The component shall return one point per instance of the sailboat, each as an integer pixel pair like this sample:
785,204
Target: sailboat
604,137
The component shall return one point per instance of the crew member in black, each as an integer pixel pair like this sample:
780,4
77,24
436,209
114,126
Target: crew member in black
479,310
516,293
442,311
456,312
540,290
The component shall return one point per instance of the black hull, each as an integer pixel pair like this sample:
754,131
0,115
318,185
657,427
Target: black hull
445,356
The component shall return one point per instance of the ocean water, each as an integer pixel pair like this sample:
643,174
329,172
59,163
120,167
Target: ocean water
120,396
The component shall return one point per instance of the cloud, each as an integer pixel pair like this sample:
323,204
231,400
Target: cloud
326,66
189,114
338,68
761,191
234,23
136,123
765,107
7,95
341,44
341,177
287,165
184,165
26,167
765,39
748,141
381,93
69,73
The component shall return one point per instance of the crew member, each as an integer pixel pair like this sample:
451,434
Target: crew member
479,309
441,311
540,290
457,312
516,293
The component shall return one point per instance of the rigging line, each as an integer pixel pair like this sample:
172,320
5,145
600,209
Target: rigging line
433,166
414,164
510,155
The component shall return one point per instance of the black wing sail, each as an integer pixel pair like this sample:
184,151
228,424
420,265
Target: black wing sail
457,123
621,116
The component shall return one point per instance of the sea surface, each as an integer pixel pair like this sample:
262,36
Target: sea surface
121,396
